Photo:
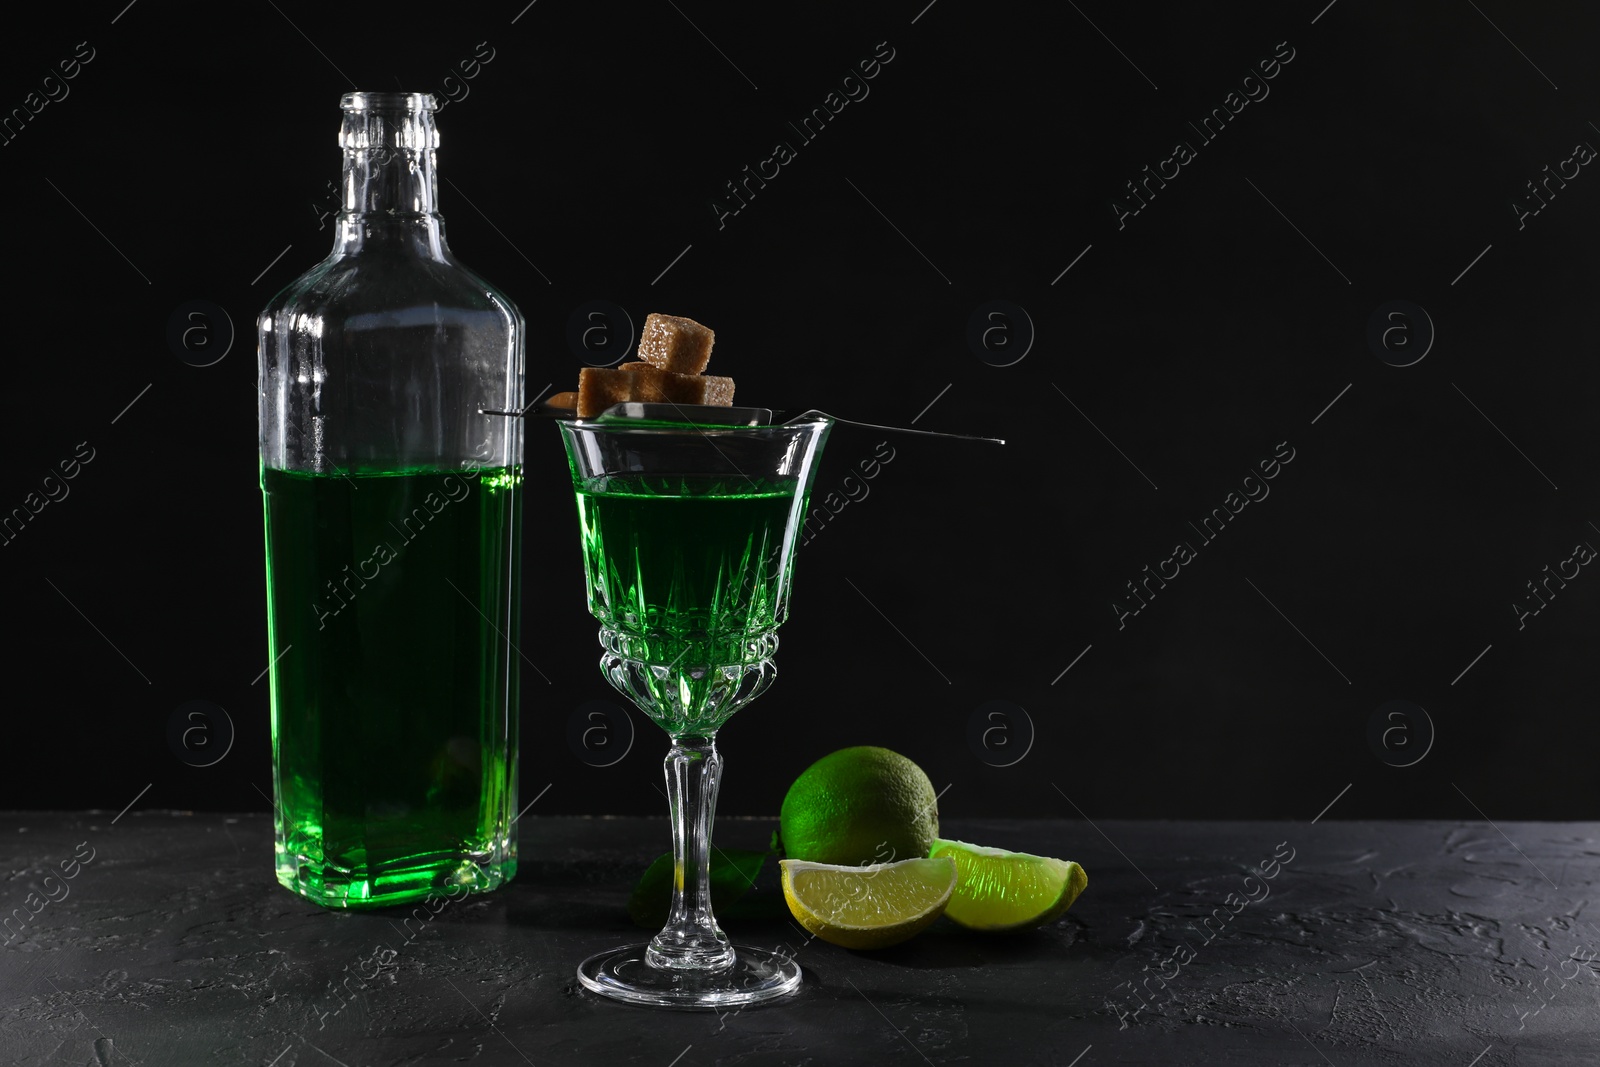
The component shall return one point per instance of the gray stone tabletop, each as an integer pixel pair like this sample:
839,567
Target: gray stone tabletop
163,939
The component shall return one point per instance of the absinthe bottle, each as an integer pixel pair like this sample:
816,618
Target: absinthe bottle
393,513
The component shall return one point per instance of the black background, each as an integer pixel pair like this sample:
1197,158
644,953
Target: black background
1221,320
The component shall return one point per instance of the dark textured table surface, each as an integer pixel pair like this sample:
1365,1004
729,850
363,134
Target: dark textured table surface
1376,943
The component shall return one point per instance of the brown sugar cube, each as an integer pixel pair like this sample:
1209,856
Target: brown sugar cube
567,401
656,386
716,391
675,344
600,387
634,366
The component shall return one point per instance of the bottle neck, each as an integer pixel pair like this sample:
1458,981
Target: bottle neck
390,201
389,182
393,182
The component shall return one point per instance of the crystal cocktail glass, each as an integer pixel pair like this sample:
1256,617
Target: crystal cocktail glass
689,532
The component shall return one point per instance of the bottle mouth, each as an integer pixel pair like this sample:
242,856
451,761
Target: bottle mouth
387,121
387,102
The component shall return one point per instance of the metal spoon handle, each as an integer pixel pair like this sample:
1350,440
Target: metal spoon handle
754,419
899,429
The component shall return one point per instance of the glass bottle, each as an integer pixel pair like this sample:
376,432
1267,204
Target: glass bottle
393,514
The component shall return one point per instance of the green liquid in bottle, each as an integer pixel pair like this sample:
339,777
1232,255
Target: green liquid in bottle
693,577
394,680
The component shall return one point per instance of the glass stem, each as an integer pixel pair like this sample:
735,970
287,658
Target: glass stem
691,940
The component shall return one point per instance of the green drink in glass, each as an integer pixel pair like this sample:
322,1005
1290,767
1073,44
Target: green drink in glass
689,532
685,570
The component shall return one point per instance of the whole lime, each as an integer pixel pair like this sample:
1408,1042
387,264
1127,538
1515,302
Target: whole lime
860,805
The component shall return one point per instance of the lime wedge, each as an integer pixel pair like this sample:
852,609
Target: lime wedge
1000,890
873,906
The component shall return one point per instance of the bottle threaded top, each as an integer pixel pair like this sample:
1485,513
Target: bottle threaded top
388,120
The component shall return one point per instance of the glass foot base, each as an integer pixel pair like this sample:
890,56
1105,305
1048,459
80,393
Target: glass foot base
756,976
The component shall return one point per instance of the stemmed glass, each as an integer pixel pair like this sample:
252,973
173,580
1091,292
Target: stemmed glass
689,531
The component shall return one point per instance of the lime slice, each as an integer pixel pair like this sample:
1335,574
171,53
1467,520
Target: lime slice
1000,890
868,907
